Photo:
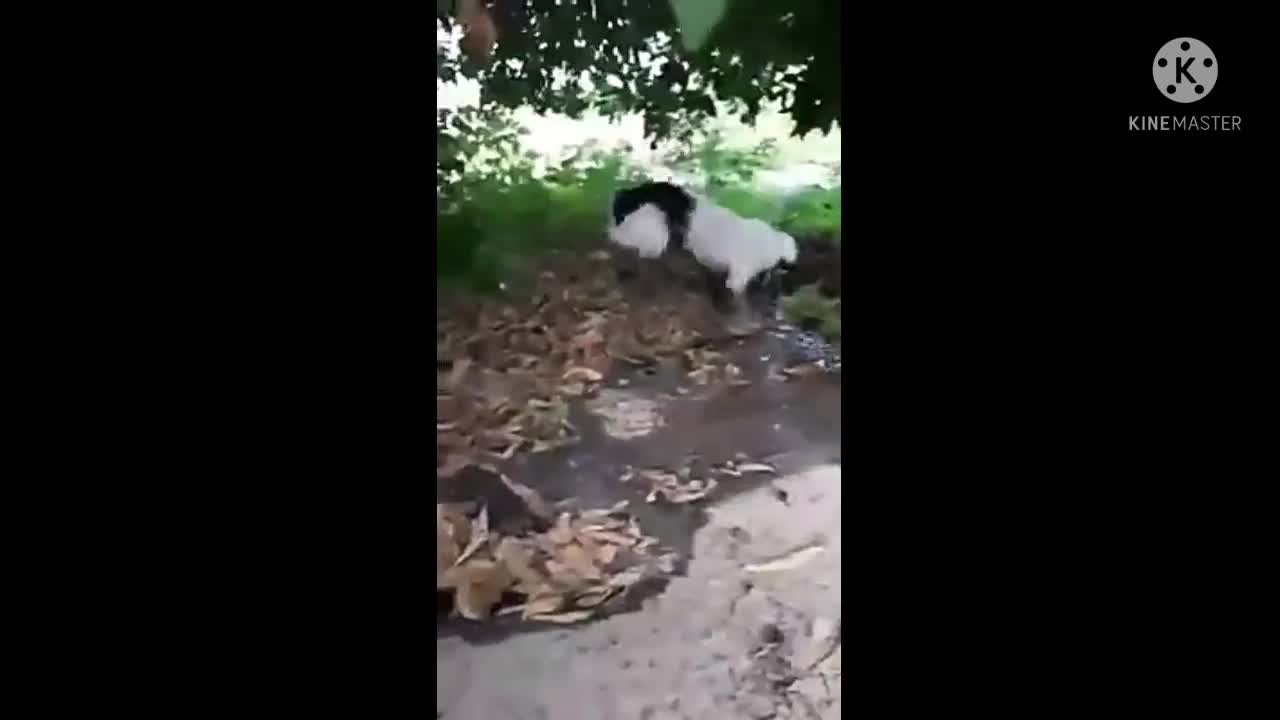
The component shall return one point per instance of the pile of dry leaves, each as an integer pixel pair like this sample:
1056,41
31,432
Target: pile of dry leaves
584,564
686,485
505,371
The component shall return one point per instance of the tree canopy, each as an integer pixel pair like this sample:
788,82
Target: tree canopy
666,63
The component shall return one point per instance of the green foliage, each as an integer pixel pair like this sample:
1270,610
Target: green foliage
759,50
500,214
808,308
815,211
708,155
509,206
697,19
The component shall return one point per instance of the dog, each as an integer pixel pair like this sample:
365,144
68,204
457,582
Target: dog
658,217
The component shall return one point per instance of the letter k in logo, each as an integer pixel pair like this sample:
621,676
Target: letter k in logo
1182,69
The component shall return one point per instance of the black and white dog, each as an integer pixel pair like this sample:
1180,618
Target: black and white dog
658,216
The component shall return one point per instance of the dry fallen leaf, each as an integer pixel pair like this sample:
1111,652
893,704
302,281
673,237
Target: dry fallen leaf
479,535
800,371
544,605
535,502
446,549
519,561
609,536
480,584
580,561
789,561
454,463
582,374
606,554
562,533
564,618
459,373
594,597
756,467
588,516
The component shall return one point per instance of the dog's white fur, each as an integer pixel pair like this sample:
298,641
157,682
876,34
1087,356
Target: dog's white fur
644,231
741,247
718,238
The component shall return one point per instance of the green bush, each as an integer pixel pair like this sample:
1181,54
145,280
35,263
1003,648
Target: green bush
813,212
497,209
808,308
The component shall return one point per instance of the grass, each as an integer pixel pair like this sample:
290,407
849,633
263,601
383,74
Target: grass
807,308
503,223
505,219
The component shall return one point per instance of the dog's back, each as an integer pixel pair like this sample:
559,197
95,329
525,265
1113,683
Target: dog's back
676,204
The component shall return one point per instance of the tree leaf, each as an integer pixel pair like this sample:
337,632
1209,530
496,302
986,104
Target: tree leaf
697,18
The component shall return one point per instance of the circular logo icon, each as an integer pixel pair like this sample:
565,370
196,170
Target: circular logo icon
1185,70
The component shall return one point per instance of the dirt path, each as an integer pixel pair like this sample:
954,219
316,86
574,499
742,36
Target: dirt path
723,637
753,630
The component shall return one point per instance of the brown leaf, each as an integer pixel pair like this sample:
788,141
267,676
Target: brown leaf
607,554
582,374
610,536
800,371
453,520
459,373
452,440
479,535
628,577
454,463
535,502
509,452
564,577
480,585
587,517
593,597
446,551
756,467
579,561
788,561
563,532
587,341
544,605
564,618
493,439
518,560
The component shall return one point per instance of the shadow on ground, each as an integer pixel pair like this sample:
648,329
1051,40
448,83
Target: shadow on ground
791,424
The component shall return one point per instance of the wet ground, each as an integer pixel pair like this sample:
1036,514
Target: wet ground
670,422
749,626
752,630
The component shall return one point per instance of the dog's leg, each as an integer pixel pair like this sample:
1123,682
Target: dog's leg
626,267
719,296
743,320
